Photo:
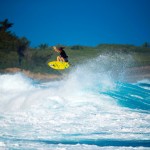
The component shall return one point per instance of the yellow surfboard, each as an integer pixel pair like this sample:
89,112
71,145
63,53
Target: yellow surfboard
58,65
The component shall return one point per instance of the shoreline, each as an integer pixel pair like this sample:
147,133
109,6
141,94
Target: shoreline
132,74
32,75
138,73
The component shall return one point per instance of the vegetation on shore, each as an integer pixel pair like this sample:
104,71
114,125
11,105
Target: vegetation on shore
16,52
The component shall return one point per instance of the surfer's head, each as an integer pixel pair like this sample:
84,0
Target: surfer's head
60,48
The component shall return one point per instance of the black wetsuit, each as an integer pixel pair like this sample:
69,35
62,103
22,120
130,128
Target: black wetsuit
64,55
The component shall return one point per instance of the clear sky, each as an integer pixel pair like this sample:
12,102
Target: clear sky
84,22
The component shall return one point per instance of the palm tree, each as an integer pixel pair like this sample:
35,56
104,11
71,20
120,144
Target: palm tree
23,49
146,45
4,25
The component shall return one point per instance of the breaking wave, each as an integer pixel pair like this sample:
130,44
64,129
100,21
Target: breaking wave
91,108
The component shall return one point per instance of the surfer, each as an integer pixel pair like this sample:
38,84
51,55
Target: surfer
63,56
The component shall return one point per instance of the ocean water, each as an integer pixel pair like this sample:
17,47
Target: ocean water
93,107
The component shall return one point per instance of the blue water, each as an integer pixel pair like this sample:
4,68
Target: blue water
84,110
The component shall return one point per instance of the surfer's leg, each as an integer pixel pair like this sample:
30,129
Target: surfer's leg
62,59
58,58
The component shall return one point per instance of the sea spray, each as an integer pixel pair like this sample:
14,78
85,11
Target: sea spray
87,109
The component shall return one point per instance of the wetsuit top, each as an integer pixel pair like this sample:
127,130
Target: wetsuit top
63,54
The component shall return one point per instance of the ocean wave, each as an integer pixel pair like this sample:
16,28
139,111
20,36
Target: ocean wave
91,108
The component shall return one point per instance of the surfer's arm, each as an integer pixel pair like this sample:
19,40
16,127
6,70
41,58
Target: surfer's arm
55,49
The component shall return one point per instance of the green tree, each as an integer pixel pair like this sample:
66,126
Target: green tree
77,47
8,40
23,50
43,46
5,25
146,45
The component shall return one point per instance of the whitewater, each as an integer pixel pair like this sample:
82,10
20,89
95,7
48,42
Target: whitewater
94,107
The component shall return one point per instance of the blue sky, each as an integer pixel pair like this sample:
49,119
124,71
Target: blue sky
83,22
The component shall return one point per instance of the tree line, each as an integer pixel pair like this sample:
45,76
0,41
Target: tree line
10,42
16,51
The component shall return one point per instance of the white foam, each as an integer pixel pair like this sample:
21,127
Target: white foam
16,82
2,145
72,108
